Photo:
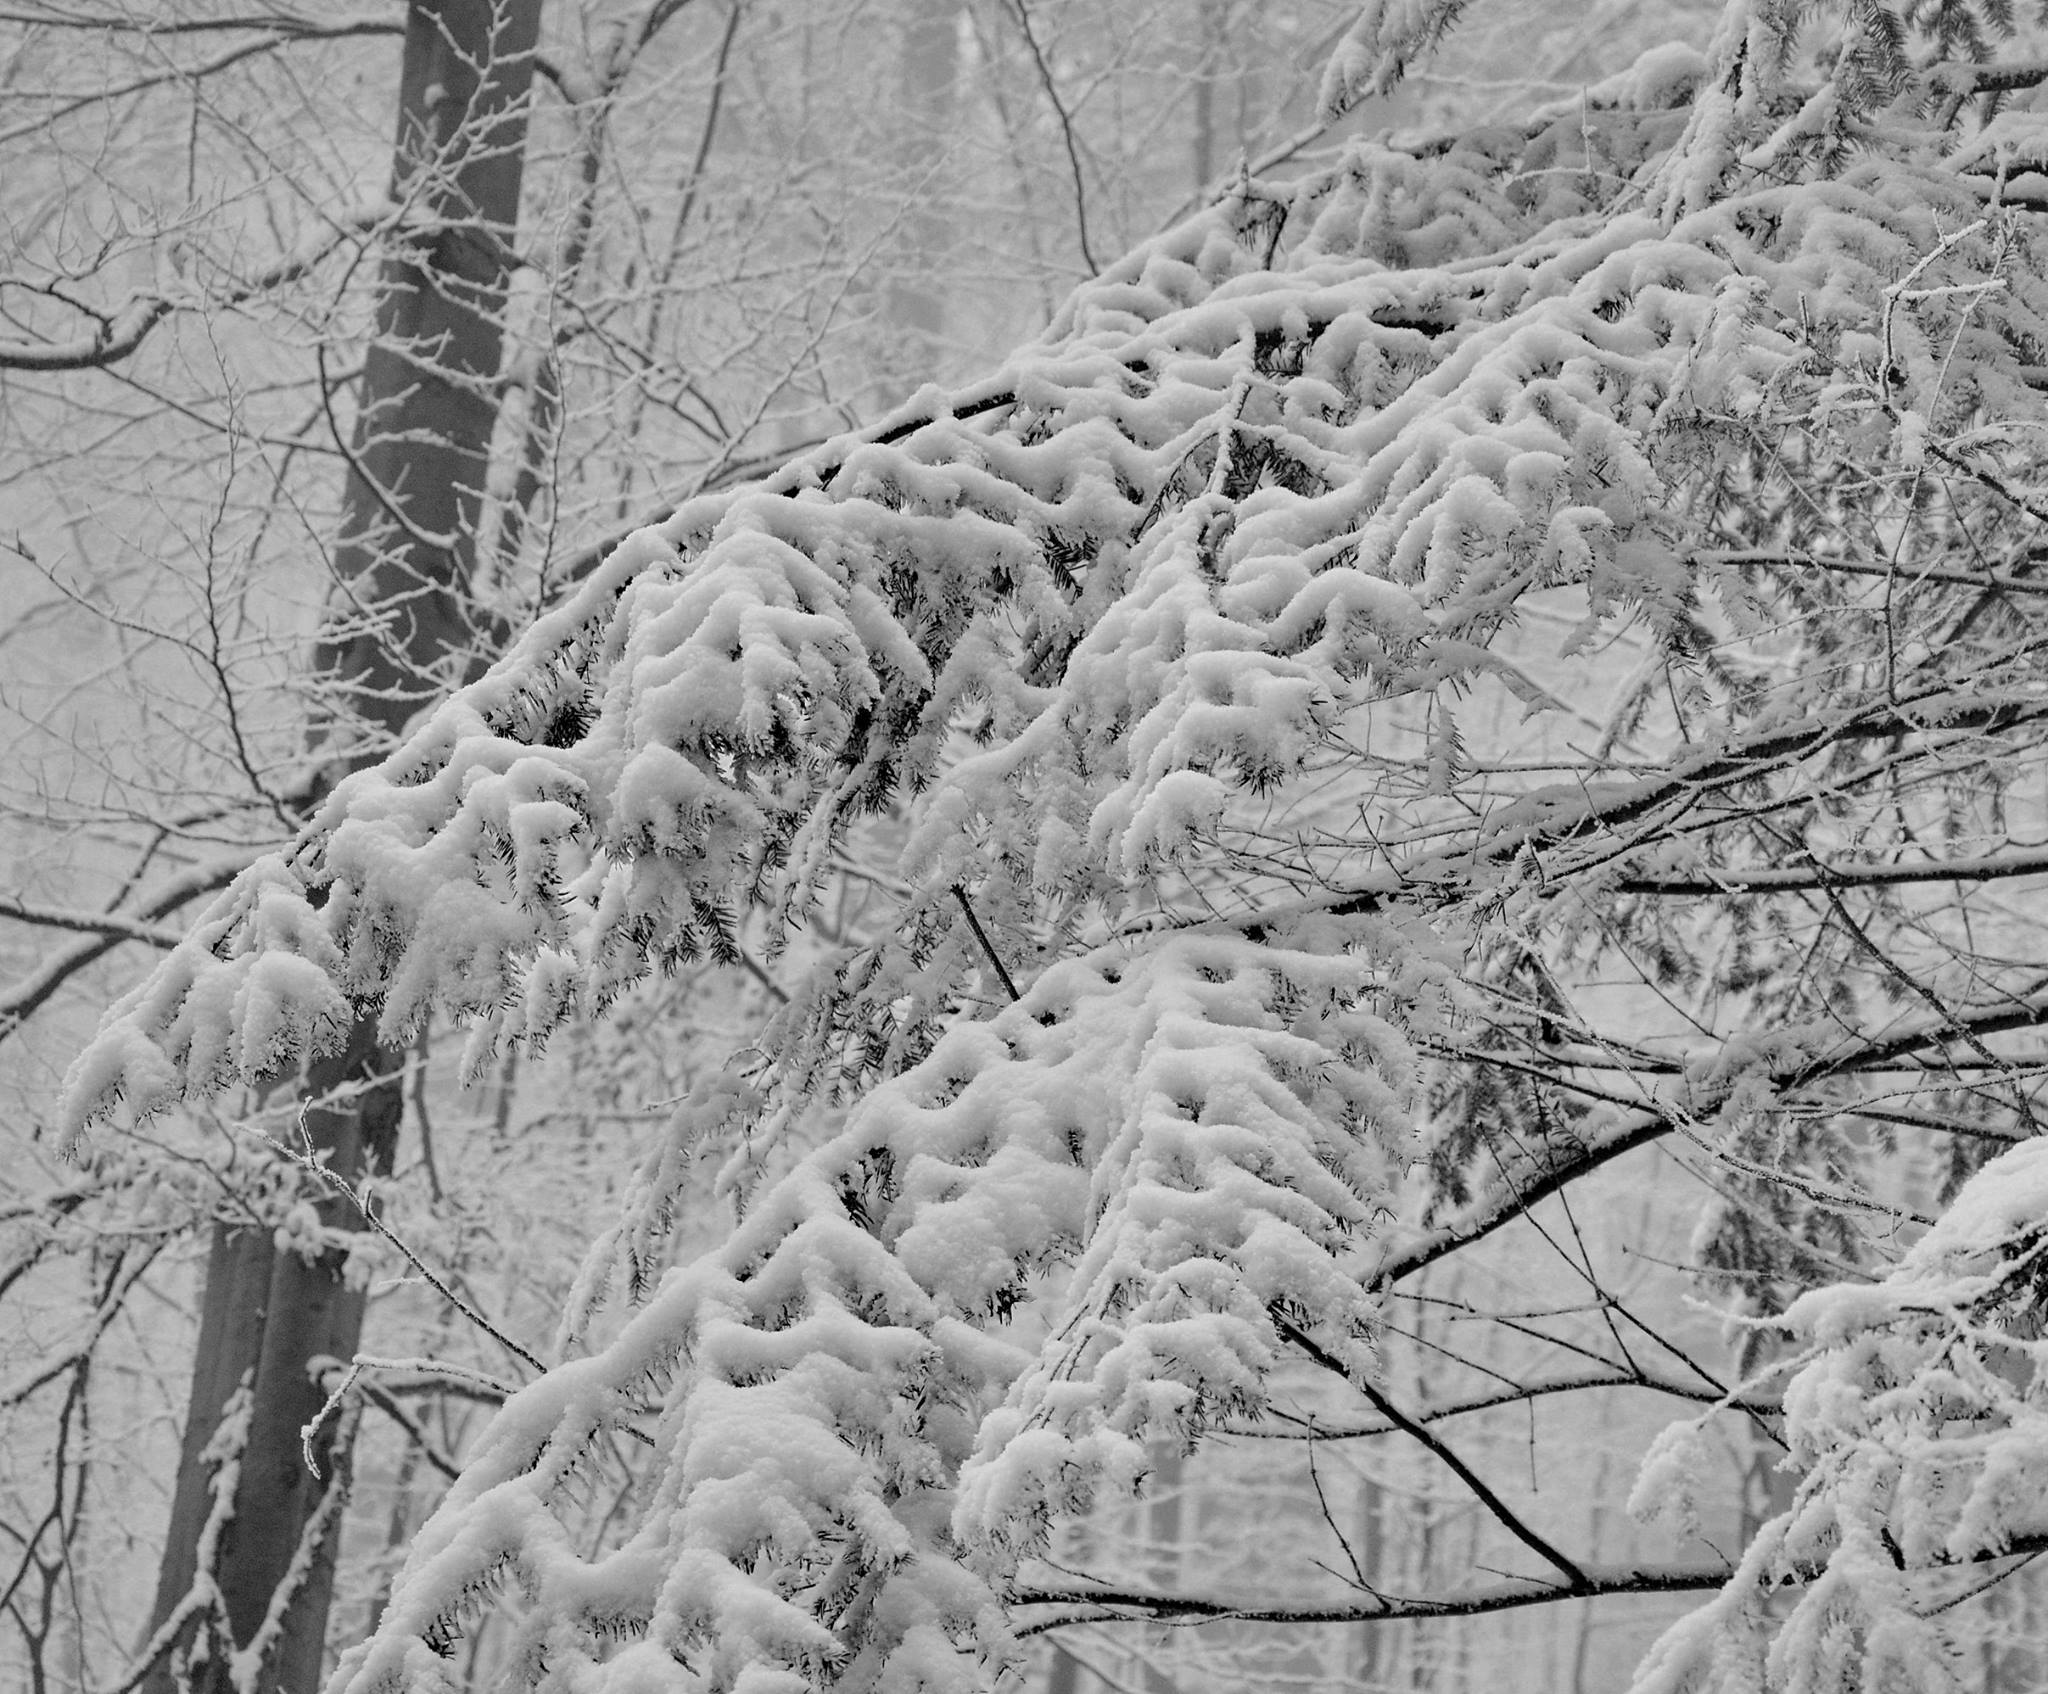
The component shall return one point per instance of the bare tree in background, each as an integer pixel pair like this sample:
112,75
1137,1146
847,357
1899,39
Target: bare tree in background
1452,766
404,566
255,404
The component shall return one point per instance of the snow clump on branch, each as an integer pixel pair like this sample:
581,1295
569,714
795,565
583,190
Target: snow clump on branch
1094,625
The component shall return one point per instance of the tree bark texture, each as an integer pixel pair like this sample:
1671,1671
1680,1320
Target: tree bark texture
403,565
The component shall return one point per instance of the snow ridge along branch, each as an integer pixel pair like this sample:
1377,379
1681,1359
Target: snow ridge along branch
1126,636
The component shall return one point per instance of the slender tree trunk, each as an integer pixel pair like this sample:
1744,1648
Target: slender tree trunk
405,560
930,71
1166,1533
1202,149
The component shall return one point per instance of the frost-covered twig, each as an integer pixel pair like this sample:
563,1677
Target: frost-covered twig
112,924
127,1269
415,1430
21,1000
358,1196
346,1376
203,1599
120,332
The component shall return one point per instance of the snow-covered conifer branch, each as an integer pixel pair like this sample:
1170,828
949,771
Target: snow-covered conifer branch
1917,1428
1167,651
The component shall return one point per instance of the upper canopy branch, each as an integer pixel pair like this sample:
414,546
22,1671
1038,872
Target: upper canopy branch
119,333
1081,631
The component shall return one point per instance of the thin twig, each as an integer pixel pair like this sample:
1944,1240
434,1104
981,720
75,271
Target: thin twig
420,1117
361,1201
987,946
1502,1512
1052,95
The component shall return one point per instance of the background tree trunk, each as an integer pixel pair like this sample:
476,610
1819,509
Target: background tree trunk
404,563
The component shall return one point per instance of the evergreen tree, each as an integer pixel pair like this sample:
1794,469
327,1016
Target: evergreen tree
1237,974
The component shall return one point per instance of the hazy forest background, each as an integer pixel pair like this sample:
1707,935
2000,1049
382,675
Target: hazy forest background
337,346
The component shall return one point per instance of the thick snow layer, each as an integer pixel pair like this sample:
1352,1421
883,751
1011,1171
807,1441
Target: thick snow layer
1114,631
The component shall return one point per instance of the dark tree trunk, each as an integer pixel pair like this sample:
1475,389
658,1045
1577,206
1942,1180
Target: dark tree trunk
406,558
